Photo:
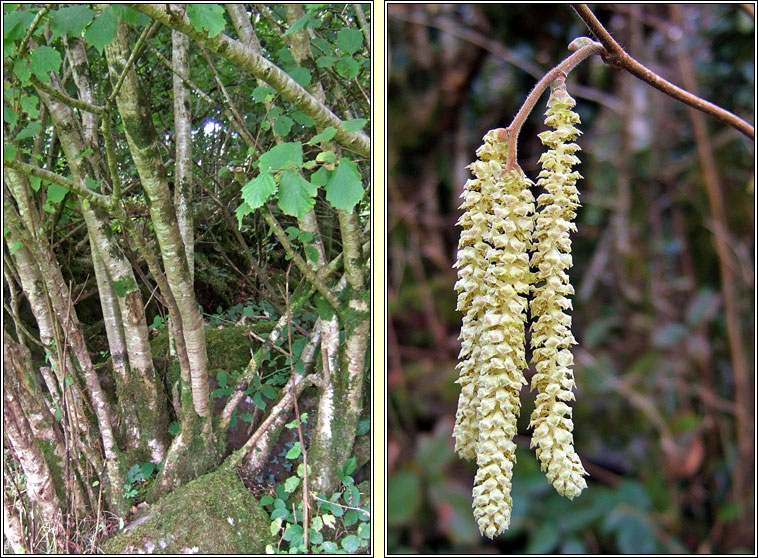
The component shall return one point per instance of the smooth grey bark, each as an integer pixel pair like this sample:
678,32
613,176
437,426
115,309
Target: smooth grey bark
183,188
142,139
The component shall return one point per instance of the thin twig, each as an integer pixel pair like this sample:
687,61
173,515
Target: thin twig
615,56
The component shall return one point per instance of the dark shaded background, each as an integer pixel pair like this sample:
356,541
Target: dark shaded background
658,422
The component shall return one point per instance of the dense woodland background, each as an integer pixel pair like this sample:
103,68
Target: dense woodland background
186,260
663,314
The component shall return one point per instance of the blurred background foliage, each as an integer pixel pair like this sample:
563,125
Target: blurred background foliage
664,412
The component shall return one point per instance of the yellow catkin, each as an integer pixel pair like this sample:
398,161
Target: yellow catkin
551,337
494,278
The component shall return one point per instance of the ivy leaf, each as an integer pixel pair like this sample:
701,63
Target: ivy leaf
349,40
326,135
344,188
207,16
103,29
56,193
347,67
295,194
256,192
31,130
301,75
45,59
70,21
282,156
353,125
283,125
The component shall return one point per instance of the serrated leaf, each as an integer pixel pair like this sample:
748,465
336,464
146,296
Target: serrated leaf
257,191
261,93
222,378
174,428
283,125
329,520
344,188
326,157
303,119
283,156
241,211
31,130
103,29
326,61
9,152
22,71
294,451
301,75
347,67
56,193
276,525
70,21
349,40
350,518
258,401
364,531
16,23
353,125
268,391
45,59
295,194
291,484
267,500
147,469
207,16
29,105
326,135
293,532
130,16
350,543
10,116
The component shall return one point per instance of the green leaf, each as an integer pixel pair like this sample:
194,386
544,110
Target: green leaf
349,40
147,469
207,16
326,135
364,426
58,415
344,188
276,525
291,484
347,67
241,211
303,119
350,518
294,451
353,125
45,59
86,153
282,156
22,71
295,194
31,130
92,184
56,193
10,116
247,417
157,322
69,381
325,310
349,467
262,93
29,105
257,191
292,232
124,285
174,428
267,500
222,378
364,531
103,29
293,532
285,57
130,16
301,75
326,61
329,547
70,21
403,497
326,157
35,182
268,391
15,248
350,543
299,25
283,125
16,23
311,253
258,400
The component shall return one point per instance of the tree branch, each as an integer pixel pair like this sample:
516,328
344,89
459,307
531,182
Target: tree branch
616,57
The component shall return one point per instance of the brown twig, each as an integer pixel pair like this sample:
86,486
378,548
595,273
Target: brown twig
616,57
